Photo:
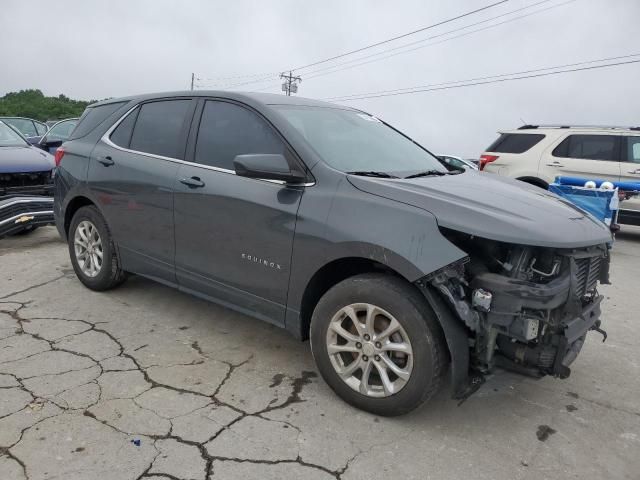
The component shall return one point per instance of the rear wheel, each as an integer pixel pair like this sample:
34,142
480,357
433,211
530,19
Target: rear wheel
92,251
377,344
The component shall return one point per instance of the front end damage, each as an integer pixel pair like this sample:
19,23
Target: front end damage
523,308
26,201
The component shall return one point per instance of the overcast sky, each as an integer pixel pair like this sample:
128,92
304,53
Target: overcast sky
98,49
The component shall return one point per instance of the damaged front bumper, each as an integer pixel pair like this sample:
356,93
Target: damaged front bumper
521,318
20,212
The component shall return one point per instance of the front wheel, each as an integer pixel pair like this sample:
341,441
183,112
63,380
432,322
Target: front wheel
377,344
93,253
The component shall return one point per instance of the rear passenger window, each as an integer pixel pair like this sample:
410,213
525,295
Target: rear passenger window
591,147
159,128
121,136
515,142
227,130
92,117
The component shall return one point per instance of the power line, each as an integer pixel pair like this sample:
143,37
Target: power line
238,77
349,64
260,80
523,72
471,84
400,47
449,20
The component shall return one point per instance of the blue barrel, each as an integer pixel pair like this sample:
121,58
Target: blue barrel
579,182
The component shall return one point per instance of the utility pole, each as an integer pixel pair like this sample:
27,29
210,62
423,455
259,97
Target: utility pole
193,77
290,84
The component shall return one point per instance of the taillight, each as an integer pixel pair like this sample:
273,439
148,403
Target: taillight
58,156
484,159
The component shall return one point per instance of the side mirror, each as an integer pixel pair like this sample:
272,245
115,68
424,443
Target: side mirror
266,166
46,144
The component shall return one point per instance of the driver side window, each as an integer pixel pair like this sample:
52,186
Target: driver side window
227,130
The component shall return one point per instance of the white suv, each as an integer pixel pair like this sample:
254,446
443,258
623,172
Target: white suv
537,154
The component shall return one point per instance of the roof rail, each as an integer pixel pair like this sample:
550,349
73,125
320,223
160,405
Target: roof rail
612,127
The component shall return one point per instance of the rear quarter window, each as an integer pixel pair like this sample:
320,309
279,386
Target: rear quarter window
92,117
515,142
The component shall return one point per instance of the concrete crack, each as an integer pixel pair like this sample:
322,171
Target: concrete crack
12,294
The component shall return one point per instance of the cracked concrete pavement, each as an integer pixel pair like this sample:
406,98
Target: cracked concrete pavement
147,382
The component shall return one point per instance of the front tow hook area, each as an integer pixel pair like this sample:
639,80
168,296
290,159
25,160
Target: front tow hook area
596,328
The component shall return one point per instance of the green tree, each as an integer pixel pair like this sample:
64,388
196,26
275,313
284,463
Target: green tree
33,104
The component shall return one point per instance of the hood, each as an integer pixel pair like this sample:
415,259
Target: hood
493,207
25,159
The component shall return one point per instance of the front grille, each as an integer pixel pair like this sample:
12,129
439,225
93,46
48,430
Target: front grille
587,274
26,183
26,179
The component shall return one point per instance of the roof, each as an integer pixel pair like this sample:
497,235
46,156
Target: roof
264,98
599,128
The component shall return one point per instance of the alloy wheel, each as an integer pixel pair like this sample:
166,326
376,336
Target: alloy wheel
369,350
88,248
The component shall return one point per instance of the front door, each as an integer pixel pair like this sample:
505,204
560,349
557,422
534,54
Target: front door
585,156
234,235
132,176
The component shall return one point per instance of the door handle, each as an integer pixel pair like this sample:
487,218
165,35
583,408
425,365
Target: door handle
192,182
106,161
555,164
636,171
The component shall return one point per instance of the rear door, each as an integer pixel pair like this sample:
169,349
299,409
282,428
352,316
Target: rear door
234,235
586,156
132,175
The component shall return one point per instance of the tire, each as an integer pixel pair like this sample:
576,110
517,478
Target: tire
390,296
110,273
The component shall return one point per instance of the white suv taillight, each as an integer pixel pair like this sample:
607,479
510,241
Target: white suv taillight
485,159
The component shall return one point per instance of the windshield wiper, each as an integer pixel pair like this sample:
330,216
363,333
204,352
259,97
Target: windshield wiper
430,173
365,173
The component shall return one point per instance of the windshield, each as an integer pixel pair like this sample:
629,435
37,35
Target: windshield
61,130
351,141
10,138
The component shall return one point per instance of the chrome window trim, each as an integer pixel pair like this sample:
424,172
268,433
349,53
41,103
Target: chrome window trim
15,217
107,140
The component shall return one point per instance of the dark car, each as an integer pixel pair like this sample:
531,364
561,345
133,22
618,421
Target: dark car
26,185
56,135
453,162
328,222
30,128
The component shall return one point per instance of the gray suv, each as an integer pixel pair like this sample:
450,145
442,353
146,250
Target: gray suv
328,222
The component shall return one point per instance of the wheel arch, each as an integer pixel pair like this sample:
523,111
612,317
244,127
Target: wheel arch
73,206
538,182
329,275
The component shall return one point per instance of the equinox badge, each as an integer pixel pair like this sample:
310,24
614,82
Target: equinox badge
261,261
